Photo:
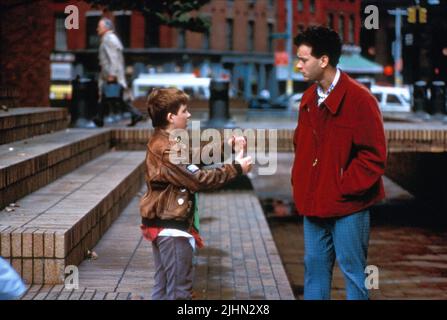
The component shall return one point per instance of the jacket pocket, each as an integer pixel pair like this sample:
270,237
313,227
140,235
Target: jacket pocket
339,181
174,204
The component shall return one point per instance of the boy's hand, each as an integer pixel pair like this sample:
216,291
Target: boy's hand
245,162
238,143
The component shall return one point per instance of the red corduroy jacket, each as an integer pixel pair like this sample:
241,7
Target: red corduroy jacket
340,154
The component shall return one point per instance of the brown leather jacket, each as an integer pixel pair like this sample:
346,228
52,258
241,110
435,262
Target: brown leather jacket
169,200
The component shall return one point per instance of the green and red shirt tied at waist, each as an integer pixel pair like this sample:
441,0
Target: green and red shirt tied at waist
340,151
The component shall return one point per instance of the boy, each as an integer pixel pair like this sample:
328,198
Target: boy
167,208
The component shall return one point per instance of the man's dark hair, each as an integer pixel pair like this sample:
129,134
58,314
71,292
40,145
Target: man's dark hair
323,41
162,101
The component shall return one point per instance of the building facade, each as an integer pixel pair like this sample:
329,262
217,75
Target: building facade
240,45
237,47
342,16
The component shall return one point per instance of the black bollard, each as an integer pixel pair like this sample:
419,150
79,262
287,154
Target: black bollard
438,92
219,105
420,97
83,103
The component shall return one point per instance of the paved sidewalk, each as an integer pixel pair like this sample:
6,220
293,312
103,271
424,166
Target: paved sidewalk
239,261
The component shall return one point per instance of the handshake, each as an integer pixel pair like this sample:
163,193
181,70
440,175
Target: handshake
239,145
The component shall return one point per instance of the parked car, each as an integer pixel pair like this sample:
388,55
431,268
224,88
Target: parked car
392,99
259,102
194,86
290,102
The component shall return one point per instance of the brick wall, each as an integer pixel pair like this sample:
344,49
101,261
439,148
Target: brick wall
26,36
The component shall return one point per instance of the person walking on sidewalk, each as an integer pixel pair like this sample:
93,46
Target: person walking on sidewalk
340,155
169,207
111,60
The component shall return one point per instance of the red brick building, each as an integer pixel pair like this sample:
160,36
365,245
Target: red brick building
25,48
238,45
341,15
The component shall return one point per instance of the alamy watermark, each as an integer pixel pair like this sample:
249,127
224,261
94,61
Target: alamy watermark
372,20
72,20
372,280
261,147
72,279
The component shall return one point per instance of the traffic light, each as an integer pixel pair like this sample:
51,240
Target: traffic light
422,15
411,12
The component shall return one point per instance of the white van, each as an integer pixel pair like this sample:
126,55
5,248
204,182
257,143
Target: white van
188,82
392,99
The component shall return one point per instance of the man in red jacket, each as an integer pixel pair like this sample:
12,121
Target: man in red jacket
340,155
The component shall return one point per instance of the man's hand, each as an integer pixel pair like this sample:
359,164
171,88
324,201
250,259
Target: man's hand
245,162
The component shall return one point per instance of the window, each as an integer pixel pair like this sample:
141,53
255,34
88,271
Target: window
312,6
300,5
251,36
391,98
181,38
60,35
351,29
122,28
229,35
378,96
341,27
92,36
270,39
152,33
330,20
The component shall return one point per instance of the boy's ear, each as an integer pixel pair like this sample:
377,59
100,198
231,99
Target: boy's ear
169,117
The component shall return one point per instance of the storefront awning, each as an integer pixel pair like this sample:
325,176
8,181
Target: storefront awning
350,62
355,63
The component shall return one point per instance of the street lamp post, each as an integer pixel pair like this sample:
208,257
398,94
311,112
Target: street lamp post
289,86
397,48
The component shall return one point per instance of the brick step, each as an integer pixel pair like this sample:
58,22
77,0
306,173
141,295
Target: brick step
56,225
30,164
23,123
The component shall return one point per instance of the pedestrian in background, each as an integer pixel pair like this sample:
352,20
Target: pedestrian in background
340,155
111,60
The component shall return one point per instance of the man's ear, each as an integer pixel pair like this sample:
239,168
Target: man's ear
324,61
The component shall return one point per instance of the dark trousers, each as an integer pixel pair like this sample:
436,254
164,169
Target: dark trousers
126,106
173,268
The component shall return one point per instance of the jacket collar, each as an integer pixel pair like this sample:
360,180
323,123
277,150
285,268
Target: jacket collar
334,99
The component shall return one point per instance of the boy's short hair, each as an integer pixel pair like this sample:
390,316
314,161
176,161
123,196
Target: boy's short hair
162,101
323,41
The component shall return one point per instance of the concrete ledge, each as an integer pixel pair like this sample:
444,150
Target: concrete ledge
22,123
240,259
30,164
401,137
56,225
